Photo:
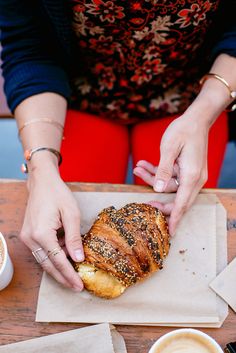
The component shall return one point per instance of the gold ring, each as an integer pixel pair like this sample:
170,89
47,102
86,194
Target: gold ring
176,182
54,252
39,258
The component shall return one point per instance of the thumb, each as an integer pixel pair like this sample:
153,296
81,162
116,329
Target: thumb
164,172
71,224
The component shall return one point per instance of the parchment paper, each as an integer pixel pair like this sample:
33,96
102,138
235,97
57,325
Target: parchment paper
178,294
225,284
101,338
221,263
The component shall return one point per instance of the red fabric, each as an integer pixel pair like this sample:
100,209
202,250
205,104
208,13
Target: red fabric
96,149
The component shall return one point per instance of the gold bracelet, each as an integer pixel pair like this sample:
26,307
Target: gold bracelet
29,153
43,120
221,79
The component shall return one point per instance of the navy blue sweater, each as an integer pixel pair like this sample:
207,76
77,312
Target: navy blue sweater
37,43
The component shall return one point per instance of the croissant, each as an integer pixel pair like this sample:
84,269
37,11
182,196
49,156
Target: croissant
122,248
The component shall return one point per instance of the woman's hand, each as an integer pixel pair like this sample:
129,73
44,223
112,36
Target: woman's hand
51,206
183,161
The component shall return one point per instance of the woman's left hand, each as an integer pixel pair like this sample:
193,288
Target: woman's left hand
182,166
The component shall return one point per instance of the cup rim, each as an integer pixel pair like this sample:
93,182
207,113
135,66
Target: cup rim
2,239
182,330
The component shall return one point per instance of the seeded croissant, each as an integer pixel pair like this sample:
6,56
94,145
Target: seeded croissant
122,248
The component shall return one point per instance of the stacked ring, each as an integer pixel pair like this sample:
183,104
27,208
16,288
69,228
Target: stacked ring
54,252
40,259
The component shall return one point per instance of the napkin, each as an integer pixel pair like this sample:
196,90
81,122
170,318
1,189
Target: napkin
225,284
177,295
101,338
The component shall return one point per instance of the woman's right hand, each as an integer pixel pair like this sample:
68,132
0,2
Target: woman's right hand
50,206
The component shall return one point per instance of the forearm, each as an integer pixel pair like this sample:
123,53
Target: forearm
46,105
214,96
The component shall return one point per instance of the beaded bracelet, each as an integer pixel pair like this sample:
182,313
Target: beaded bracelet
29,153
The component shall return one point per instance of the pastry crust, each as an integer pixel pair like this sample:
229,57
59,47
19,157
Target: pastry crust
122,248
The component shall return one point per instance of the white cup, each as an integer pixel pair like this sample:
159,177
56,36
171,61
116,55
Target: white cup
186,340
6,267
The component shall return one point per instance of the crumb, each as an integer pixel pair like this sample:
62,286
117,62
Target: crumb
182,251
205,275
193,273
183,260
203,248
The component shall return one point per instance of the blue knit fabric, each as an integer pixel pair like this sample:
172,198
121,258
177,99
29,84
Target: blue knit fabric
37,46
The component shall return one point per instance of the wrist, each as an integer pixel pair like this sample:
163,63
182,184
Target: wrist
42,166
209,103
37,161
47,175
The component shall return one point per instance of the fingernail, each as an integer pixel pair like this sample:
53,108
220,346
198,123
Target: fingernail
77,288
159,185
79,255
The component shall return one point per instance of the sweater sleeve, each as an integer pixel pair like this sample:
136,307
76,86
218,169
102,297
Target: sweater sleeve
226,26
30,52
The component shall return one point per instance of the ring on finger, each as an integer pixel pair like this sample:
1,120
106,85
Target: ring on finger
54,252
176,182
39,255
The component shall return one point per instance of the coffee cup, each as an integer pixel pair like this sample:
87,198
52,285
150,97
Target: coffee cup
186,340
6,267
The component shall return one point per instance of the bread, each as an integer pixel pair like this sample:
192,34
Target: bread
122,248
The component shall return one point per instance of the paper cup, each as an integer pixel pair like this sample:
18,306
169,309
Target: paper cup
184,340
6,267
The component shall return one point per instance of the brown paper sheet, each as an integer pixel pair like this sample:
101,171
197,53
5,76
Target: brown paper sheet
101,338
225,284
178,294
221,262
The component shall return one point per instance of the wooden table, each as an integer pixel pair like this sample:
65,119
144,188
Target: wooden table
18,301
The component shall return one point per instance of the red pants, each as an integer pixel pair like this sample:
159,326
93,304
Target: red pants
97,149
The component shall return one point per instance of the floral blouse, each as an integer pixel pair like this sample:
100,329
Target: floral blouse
138,59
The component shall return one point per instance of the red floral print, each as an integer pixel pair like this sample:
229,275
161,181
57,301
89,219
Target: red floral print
106,76
134,57
103,45
107,10
193,15
147,71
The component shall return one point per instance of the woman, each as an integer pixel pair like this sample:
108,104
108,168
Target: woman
126,64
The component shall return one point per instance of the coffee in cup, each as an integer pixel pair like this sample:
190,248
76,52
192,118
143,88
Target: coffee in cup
186,341
6,267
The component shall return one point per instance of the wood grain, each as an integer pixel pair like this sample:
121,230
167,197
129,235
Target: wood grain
18,301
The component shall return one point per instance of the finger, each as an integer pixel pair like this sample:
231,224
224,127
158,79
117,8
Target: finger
172,185
48,267
47,264
165,169
60,262
65,250
176,170
144,175
164,208
71,223
147,166
182,200
61,242
192,177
